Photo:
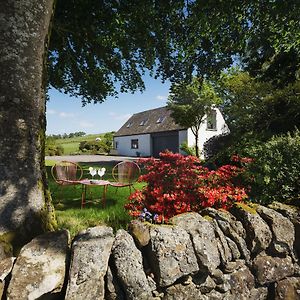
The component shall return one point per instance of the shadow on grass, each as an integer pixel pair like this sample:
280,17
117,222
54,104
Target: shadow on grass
67,203
90,203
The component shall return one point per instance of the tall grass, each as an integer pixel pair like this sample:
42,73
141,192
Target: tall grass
67,202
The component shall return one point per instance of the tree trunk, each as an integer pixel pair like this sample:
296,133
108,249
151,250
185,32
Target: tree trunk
196,145
195,131
25,204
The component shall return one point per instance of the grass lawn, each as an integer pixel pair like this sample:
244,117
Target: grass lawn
70,147
67,202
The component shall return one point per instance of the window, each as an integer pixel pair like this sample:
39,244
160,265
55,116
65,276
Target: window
143,122
134,144
129,124
116,144
212,120
160,119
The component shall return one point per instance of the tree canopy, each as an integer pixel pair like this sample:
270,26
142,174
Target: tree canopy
263,36
272,51
190,103
256,108
100,48
255,111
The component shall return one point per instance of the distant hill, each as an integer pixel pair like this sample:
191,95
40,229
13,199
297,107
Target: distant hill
71,145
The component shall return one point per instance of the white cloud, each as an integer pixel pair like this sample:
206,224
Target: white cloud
118,117
161,97
51,111
85,124
66,115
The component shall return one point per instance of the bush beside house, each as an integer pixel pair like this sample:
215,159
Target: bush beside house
275,169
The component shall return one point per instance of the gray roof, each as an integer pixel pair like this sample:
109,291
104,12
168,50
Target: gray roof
148,122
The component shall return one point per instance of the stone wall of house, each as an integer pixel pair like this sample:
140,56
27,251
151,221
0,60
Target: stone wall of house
247,253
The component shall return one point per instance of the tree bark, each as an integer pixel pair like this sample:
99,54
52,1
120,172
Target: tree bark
196,145
25,207
195,131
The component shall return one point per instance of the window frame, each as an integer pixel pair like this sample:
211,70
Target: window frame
135,144
160,119
143,122
211,121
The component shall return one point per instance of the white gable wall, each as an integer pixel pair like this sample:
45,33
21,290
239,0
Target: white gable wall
205,134
124,145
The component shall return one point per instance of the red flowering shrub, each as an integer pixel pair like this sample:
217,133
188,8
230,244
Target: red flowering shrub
178,184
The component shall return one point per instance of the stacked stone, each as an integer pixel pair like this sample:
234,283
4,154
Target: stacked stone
250,252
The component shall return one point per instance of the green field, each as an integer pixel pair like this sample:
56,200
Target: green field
71,145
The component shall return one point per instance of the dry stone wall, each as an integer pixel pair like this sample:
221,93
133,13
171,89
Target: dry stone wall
248,253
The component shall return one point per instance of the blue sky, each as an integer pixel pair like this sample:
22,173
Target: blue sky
65,114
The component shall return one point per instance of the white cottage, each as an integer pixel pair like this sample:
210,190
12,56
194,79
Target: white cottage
149,132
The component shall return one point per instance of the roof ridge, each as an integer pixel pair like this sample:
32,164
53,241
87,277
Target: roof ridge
144,111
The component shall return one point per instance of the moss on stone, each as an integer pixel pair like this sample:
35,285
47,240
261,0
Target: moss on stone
278,205
6,240
208,218
152,225
13,241
48,217
253,205
248,208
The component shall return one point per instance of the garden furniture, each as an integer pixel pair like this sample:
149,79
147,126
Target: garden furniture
66,173
125,174
87,182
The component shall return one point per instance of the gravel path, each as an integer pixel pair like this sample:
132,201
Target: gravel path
90,158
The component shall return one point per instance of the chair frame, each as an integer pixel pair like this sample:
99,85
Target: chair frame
70,181
129,181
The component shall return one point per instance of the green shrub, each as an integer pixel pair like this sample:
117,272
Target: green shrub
51,148
275,170
59,150
89,146
187,149
213,149
98,146
82,146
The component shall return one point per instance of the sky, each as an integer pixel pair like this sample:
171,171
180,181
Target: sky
65,114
